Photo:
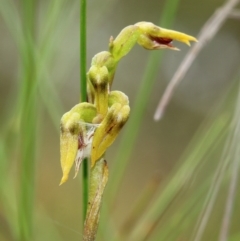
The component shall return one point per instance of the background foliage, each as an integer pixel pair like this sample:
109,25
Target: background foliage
169,180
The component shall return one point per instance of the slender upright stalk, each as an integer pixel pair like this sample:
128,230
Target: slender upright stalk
83,92
28,123
83,47
99,178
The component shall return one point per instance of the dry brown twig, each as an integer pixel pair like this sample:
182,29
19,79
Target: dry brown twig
208,31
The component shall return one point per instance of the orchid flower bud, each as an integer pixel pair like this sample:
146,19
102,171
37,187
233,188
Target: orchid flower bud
106,59
98,77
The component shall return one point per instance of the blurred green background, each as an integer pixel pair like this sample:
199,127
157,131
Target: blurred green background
207,94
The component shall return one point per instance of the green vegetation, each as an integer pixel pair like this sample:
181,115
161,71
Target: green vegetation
194,195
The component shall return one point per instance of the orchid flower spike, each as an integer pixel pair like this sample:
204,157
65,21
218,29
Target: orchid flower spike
109,109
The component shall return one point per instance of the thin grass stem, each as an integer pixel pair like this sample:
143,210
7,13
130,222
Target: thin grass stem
83,47
234,175
28,124
83,92
180,178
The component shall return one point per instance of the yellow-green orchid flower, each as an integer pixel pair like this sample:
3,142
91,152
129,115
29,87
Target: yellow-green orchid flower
74,136
109,109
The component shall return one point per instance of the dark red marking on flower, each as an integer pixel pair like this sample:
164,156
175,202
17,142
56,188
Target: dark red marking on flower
162,41
109,130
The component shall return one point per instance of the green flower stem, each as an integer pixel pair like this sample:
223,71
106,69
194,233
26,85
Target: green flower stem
28,124
98,181
83,54
83,91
